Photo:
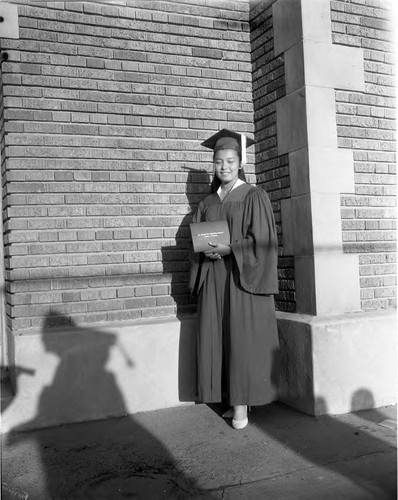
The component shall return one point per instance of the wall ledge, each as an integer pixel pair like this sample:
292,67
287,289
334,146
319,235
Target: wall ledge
339,363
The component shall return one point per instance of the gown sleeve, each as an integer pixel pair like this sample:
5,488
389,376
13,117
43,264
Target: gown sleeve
256,253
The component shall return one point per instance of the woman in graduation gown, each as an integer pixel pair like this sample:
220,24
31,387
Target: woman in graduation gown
237,334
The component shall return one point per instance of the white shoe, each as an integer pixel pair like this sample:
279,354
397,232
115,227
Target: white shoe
240,424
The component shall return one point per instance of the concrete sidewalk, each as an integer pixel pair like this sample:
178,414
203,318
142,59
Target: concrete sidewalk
191,452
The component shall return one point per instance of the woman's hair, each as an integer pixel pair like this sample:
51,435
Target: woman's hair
216,183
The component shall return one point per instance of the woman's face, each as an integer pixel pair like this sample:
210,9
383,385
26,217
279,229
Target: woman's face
227,165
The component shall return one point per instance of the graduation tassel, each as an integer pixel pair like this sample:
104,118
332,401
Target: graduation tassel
243,148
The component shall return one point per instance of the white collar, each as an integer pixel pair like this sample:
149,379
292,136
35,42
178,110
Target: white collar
238,182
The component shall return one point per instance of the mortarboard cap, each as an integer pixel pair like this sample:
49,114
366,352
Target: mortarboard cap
227,139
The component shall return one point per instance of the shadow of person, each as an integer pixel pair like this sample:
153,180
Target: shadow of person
363,398
176,262
346,453
109,459
176,258
9,389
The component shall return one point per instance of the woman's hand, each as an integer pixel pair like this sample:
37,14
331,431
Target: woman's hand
217,251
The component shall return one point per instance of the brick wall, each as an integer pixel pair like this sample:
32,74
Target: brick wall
105,109
3,360
366,124
272,171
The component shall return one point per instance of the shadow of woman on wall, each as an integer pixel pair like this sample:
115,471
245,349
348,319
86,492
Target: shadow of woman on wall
176,262
109,459
176,258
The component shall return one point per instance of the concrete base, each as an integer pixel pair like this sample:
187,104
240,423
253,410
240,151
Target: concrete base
332,365
64,375
338,364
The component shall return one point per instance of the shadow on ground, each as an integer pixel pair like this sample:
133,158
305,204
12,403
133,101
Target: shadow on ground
338,451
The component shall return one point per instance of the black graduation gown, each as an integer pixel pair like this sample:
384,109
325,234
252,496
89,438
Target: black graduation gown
237,343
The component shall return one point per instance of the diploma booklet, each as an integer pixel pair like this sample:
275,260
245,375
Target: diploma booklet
205,232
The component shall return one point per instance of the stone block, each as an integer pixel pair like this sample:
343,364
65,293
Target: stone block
338,364
306,117
304,272
321,117
332,66
327,283
297,20
287,24
317,24
326,223
291,122
299,170
321,170
294,67
9,28
296,382
297,225
331,170
311,223
287,226
337,283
